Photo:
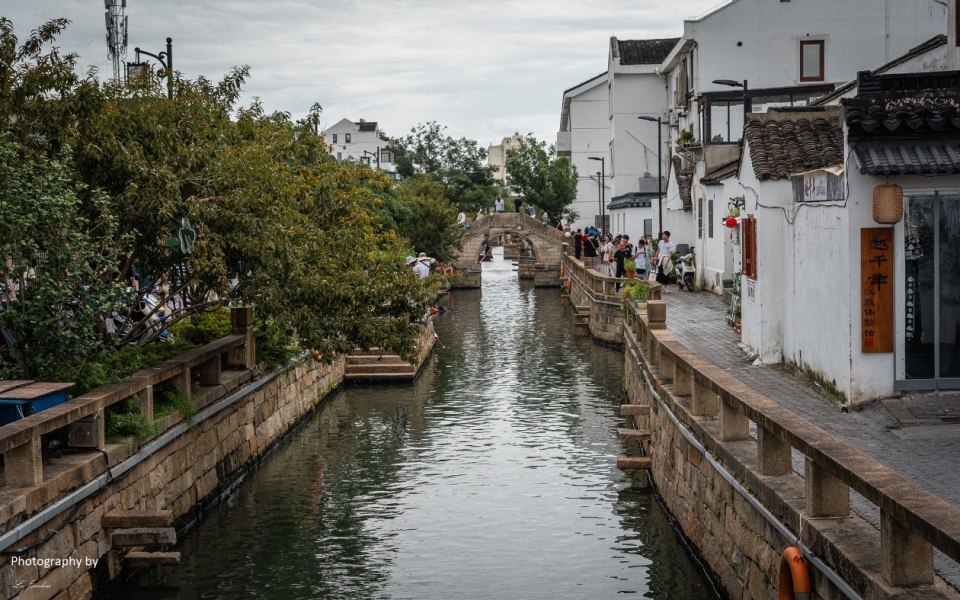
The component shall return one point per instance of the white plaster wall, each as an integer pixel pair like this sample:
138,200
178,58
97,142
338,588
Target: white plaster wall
818,265
589,127
887,30
634,142
713,254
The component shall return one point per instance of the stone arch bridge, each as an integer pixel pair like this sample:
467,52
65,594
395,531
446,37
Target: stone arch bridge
538,247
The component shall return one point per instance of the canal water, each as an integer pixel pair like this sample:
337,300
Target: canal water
492,476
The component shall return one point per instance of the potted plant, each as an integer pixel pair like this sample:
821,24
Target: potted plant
630,266
641,293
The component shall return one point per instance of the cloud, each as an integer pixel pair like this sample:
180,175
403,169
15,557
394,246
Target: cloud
483,69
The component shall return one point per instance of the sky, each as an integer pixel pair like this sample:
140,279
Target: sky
484,70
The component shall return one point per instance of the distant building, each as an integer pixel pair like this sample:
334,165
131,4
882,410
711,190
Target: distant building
362,141
497,156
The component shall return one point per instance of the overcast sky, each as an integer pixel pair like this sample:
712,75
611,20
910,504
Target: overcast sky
483,69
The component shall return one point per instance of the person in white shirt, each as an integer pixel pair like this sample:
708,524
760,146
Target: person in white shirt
664,259
422,267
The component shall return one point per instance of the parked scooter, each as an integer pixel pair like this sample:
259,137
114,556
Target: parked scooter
686,271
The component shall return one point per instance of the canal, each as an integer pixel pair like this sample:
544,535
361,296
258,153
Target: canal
492,476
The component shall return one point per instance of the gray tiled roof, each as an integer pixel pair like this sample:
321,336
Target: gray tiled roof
645,52
905,123
725,172
899,156
633,200
368,126
786,143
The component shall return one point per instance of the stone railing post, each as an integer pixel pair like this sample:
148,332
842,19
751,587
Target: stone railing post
657,314
23,465
906,560
145,400
773,453
704,401
826,495
668,368
734,425
242,320
682,382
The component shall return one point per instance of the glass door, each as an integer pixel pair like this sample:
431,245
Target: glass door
931,292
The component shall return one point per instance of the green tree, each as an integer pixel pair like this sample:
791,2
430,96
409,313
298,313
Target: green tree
460,165
547,181
279,223
431,226
57,269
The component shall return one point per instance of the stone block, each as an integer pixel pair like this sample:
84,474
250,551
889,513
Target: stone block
23,465
143,536
906,559
825,495
126,519
773,453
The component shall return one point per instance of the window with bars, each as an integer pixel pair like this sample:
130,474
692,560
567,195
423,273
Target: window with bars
700,218
710,218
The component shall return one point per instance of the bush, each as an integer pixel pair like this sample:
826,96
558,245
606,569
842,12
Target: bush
171,400
124,420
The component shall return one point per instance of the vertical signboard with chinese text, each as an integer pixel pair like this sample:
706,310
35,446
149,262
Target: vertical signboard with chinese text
876,289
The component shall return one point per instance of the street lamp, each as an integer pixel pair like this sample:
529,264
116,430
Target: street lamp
603,178
376,156
166,59
659,123
739,84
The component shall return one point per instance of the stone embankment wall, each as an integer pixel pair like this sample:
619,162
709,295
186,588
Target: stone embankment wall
723,459
596,300
184,470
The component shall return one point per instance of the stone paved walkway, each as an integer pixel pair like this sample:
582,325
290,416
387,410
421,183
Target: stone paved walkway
916,435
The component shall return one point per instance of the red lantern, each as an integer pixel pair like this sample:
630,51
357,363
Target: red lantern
730,222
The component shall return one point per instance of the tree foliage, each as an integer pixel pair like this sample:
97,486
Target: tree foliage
459,165
432,224
547,181
279,223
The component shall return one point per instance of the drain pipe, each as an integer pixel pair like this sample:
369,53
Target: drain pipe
101,482
781,528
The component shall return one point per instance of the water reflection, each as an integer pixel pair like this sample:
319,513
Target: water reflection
491,477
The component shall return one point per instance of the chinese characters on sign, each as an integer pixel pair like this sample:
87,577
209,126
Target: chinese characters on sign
817,186
876,289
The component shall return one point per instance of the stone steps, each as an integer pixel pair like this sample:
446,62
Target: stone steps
393,367
634,462
633,434
370,359
381,377
634,410
136,560
143,536
130,519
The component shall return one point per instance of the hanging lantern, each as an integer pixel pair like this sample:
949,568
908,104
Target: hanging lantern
566,234
730,222
519,227
467,226
544,223
887,203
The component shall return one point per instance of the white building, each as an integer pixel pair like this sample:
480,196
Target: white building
780,54
497,156
584,132
361,141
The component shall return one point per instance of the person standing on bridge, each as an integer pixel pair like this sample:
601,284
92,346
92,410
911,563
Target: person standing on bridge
498,205
578,244
518,203
590,247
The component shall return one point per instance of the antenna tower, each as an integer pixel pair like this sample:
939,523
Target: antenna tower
116,33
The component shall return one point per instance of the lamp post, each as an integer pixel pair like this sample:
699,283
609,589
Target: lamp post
659,123
739,84
376,156
166,59
603,178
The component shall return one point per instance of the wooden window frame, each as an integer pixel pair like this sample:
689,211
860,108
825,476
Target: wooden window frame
749,246
823,67
700,218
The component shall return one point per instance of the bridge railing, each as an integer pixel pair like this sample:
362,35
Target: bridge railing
598,284
718,409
